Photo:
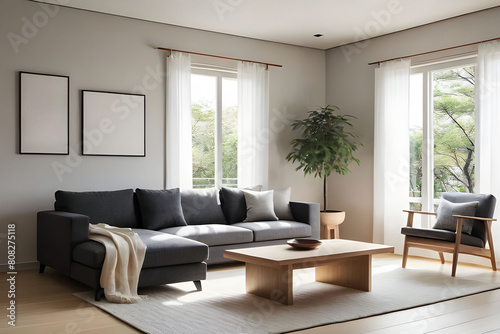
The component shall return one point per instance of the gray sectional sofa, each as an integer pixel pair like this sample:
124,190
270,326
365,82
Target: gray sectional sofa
182,230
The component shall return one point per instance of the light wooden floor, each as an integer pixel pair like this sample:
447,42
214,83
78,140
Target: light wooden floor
45,304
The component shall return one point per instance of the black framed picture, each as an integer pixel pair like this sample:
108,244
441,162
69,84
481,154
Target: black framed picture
43,113
113,124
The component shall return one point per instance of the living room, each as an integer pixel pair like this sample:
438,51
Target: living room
113,53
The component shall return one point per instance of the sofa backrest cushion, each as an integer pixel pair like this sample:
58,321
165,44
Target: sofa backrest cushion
281,200
200,206
160,208
233,205
114,208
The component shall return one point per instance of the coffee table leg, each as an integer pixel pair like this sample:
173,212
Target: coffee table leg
352,272
275,283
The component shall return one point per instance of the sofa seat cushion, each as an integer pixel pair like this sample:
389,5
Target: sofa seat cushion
161,250
90,253
281,229
212,234
442,235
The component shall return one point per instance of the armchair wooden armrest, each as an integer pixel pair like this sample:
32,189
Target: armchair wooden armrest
487,223
409,222
476,218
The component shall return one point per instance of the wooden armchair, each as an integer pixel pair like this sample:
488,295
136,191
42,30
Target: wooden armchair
441,240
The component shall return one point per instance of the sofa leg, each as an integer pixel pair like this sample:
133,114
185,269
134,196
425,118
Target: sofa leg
42,268
197,284
98,294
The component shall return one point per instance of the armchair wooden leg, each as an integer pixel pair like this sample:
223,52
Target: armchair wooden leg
441,256
490,244
458,236
405,254
493,260
455,262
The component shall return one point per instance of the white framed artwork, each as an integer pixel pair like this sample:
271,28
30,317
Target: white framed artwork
43,113
113,124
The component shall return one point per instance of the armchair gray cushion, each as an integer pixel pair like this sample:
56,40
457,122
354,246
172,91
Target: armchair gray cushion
446,210
445,235
485,209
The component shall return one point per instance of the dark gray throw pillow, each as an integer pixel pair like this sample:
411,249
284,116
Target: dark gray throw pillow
447,209
160,208
233,205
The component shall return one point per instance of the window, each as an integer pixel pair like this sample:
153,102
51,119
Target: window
442,132
214,104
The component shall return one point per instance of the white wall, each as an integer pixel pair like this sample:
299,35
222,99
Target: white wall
109,53
350,85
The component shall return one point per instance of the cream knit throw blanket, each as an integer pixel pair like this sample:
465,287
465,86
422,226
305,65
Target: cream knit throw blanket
123,262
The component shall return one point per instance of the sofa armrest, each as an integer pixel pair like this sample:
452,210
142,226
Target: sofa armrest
308,213
58,233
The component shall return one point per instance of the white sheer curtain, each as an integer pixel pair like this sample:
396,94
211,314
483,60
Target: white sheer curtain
253,124
179,161
391,151
488,125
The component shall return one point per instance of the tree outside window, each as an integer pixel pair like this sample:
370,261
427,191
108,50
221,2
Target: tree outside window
214,129
445,120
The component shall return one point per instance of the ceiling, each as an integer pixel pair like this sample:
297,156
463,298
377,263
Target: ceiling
290,21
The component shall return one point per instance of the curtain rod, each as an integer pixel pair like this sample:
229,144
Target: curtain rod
429,52
207,55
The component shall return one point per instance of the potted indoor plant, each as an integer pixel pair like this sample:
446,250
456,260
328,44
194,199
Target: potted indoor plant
326,145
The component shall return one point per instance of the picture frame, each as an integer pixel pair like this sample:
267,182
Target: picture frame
113,124
43,113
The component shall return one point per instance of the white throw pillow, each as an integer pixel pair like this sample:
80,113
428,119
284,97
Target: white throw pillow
260,205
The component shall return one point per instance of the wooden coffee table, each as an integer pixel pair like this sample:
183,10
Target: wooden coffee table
269,269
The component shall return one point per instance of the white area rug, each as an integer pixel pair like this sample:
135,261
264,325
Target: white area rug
224,307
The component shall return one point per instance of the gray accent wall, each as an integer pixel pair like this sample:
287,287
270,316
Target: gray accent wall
117,54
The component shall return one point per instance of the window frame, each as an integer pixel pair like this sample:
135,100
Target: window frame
427,194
